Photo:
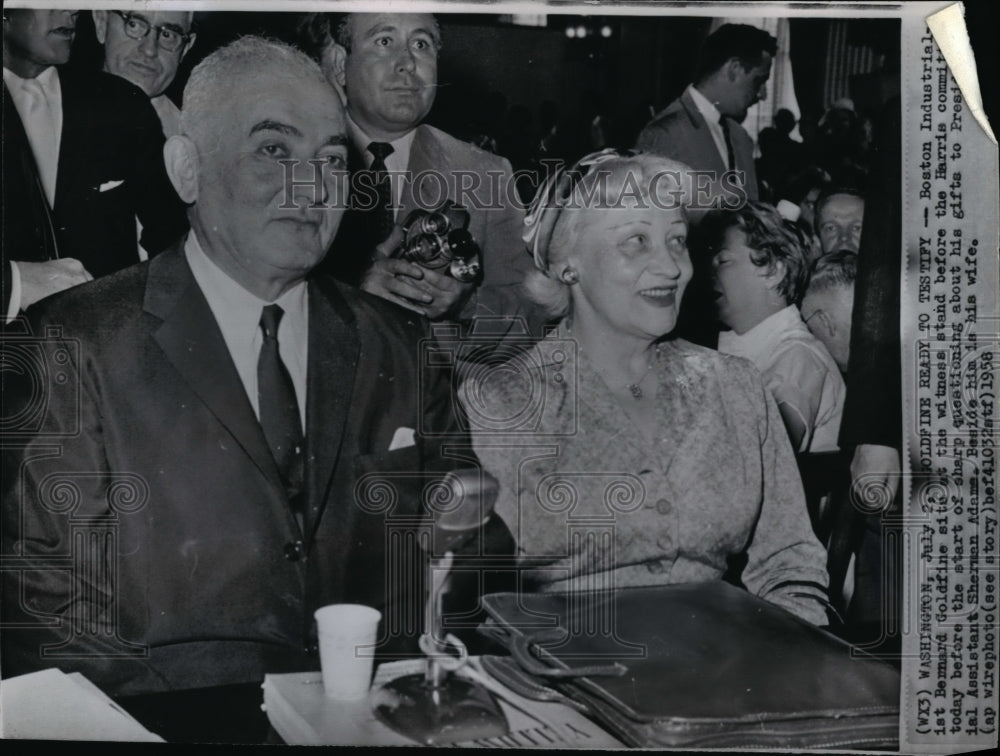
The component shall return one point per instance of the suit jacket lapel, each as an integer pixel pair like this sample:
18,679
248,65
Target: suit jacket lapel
74,112
425,155
192,341
707,153
334,350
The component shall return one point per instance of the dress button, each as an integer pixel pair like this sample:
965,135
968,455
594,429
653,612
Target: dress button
655,567
311,649
664,542
663,506
293,551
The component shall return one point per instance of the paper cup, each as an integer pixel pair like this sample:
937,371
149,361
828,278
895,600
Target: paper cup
346,634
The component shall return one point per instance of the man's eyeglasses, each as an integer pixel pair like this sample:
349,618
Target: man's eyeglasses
169,38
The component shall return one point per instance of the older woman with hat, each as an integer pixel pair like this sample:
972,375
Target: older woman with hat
626,457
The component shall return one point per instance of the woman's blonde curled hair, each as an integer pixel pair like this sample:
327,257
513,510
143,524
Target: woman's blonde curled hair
606,179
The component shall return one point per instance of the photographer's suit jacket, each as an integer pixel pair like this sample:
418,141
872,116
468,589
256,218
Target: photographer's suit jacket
110,172
436,168
215,581
680,132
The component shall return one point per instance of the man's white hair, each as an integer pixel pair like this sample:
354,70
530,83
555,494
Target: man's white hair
214,78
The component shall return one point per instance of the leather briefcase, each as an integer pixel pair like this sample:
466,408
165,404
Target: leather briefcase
695,665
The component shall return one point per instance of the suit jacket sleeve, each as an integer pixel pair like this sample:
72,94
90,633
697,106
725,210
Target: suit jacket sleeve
655,138
59,533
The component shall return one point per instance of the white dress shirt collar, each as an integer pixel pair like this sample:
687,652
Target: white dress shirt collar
237,312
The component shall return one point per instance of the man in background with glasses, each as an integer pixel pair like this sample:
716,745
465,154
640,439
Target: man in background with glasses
146,49
82,162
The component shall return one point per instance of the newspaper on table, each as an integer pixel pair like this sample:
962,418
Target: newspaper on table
949,326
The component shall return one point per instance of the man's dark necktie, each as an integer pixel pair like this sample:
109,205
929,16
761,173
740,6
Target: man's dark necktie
730,157
279,410
382,217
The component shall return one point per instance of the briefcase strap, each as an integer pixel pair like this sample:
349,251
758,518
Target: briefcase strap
521,649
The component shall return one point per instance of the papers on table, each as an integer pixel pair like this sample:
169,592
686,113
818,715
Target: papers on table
51,705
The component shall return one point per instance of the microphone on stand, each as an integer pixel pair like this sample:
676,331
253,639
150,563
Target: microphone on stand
465,504
437,707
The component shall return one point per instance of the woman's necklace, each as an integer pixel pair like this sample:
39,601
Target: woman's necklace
636,388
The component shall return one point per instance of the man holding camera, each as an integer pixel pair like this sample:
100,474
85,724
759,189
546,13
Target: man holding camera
216,425
385,65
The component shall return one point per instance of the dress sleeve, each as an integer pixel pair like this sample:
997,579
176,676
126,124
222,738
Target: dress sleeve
785,562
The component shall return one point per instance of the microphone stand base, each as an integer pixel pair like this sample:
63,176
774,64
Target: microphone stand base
455,711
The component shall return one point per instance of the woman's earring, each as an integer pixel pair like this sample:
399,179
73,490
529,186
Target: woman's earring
569,276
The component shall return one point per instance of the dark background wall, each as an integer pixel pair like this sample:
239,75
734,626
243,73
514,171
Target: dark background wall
646,62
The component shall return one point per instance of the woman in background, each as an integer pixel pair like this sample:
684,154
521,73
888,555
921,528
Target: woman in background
626,458
760,273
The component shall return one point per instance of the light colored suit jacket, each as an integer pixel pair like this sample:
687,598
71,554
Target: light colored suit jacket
681,132
443,168
593,503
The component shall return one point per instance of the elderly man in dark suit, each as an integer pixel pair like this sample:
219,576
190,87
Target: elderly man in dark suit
81,162
386,66
217,417
702,127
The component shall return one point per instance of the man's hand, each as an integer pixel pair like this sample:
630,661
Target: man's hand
42,279
875,468
425,291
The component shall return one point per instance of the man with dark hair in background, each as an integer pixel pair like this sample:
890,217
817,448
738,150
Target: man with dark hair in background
702,127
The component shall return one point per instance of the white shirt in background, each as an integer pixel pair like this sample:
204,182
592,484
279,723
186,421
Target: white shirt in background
799,372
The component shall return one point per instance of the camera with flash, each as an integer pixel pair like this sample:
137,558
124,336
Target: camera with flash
440,240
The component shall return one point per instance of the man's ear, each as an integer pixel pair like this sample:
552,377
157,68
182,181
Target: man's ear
775,274
734,69
183,165
188,46
333,61
100,24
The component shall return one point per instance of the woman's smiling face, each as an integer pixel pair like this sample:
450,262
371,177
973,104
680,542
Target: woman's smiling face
633,265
